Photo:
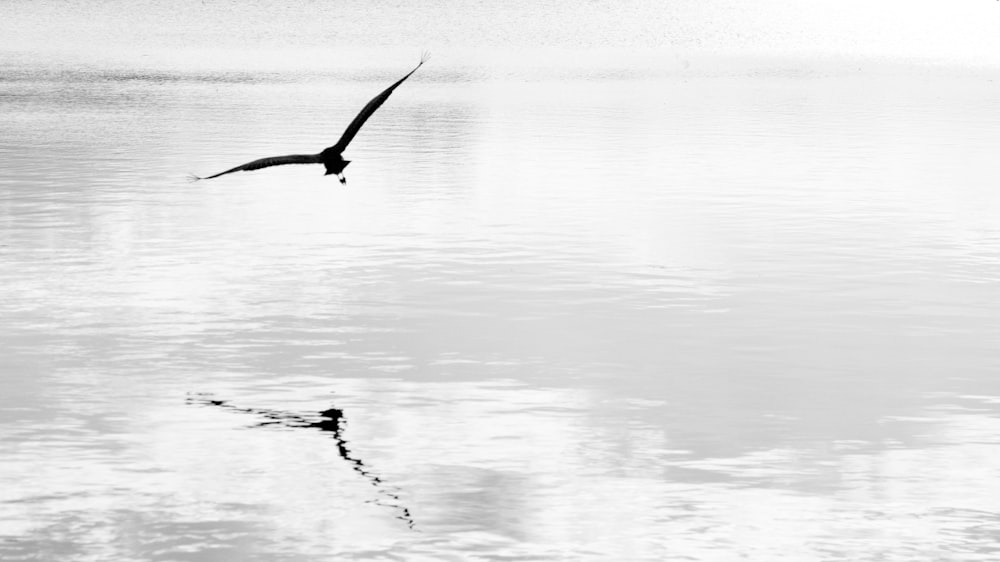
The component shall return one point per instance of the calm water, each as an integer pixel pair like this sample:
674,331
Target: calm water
573,304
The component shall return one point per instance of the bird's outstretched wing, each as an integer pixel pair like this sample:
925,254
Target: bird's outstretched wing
267,162
376,103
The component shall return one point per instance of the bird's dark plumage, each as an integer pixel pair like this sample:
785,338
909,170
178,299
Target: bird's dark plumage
331,157
270,161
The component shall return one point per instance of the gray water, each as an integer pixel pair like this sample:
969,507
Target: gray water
587,295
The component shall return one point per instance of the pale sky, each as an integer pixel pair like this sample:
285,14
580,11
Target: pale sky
965,30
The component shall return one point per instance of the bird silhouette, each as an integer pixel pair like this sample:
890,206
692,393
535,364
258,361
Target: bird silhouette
330,157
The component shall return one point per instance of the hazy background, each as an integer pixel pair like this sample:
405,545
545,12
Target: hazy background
642,281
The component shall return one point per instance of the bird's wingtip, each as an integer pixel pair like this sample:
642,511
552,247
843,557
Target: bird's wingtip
424,57
193,178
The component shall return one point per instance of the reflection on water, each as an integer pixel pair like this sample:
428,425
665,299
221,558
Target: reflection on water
330,420
490,468
614,311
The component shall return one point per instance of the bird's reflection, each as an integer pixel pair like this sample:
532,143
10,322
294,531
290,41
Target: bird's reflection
331,421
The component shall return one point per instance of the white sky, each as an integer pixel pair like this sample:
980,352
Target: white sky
967,30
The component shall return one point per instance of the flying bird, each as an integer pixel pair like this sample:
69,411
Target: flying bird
331,157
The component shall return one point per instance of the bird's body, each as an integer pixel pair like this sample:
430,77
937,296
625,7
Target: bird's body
331,157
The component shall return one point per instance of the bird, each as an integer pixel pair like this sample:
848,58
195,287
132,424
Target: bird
331,157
